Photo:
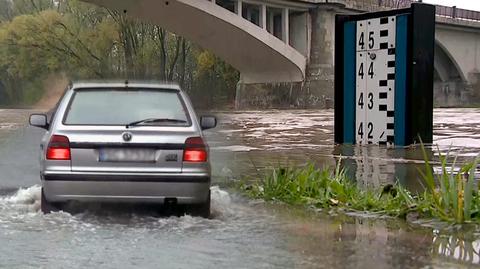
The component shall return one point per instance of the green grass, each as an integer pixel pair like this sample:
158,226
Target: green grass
449,196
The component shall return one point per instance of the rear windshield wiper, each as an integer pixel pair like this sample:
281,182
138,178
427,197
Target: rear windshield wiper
154,120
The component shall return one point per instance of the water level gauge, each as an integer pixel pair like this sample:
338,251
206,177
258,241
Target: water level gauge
381,97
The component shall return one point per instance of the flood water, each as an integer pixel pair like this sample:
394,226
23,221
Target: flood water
241,233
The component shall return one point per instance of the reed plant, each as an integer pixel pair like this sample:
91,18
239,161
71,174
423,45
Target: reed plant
453,193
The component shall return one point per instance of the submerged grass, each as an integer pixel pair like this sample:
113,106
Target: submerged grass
451,195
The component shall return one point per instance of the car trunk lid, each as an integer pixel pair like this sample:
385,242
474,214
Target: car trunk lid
127,150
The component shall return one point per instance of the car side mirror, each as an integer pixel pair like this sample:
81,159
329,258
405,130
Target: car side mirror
39,120
208,122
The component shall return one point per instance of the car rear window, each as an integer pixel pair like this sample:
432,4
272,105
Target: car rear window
121,107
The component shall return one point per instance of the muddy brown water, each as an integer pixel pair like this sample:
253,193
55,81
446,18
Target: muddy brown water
242,233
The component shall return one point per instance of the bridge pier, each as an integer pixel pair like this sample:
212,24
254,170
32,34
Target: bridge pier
320,68
316,41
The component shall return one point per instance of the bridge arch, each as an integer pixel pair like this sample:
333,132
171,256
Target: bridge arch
446,66
260,57
450,80
462,45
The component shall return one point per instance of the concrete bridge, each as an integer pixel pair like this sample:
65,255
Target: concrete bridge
284,49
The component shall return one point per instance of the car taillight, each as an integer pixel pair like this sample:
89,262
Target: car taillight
195,150
58,148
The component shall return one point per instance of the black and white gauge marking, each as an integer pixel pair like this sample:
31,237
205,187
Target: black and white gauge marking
375,81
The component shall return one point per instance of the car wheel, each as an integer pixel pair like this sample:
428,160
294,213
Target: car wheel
46,206
203,209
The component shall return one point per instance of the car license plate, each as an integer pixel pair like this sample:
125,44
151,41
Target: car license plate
126,155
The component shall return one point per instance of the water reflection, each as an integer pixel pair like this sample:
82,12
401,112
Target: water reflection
372,242
459,247
376,166
347,242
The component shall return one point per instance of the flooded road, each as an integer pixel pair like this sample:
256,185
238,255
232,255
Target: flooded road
242,233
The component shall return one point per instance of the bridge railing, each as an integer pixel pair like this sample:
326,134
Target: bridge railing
458,13
442,11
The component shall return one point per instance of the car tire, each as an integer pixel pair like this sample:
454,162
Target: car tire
46,206
203,209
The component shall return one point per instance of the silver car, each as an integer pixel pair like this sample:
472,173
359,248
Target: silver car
124,142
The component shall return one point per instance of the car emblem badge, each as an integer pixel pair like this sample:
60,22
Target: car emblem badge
127,136
171,158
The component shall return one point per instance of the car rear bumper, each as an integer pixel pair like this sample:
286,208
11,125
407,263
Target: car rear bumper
135,188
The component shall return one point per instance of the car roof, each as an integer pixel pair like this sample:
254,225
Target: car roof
125,84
